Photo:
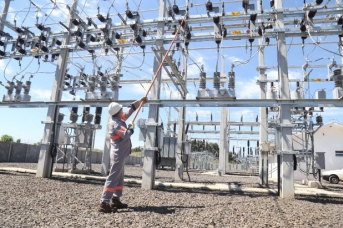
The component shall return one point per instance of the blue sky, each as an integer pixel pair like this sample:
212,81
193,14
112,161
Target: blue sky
26,123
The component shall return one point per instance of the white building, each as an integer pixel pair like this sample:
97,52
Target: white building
328,139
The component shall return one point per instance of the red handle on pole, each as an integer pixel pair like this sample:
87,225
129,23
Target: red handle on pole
159,68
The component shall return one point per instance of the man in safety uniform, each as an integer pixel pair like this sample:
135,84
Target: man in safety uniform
120,149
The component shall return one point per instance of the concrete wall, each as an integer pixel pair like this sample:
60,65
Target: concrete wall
19,152
4,151
133,160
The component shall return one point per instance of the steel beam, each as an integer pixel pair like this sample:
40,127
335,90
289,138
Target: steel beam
184,103
216,123
45,162
180,156
5,7
149,166
223,144
263,130
286,174
229,138
228,132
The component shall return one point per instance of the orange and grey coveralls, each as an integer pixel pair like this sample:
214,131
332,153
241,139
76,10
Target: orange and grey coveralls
120,149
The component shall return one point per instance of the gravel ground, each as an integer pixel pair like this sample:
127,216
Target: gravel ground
27,201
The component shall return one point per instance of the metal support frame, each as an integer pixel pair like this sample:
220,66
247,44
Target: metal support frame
287,173
217,123
184,103
45,162
223,144
194,21
263,131
149,166
4,14
181,136
175,76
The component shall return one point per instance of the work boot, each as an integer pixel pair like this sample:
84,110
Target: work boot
117,204
106,208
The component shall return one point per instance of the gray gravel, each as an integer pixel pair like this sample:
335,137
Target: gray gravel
27,201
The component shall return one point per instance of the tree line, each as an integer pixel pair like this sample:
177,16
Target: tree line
8,138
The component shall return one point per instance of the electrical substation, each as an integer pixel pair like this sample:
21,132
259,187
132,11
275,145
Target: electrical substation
87,53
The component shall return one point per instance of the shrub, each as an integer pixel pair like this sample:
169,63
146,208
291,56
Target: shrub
6,138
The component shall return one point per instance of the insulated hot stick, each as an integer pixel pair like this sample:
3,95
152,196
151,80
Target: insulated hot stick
159,69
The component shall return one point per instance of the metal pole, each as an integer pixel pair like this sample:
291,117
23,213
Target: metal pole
45,161
287,172
4,14
149,166
223,141
263,156
181,136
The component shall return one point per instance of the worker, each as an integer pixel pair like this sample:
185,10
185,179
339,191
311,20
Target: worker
120,135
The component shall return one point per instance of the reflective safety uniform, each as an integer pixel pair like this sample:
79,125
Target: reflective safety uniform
120,149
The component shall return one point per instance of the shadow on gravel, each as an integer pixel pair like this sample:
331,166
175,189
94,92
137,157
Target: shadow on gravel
78,180
9,173
321,200
159,210
213,192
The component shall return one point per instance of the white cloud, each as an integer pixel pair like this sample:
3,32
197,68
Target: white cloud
10,15
138,89
89,8
332,112
273,74
246,113
169,92
41,93
60,12
247,89
191,96
200,60
233,59
3,66
191,114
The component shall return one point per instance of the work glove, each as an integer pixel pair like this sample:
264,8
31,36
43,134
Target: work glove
131,126
144,100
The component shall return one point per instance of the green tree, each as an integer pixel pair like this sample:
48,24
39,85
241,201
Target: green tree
6,138
201,145
18,140
136,149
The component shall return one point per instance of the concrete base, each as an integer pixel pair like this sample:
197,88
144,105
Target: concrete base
76,171
61,170
315,184
149,168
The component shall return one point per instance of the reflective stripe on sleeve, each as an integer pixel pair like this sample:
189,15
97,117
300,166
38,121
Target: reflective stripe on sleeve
118,135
